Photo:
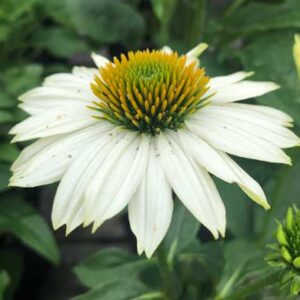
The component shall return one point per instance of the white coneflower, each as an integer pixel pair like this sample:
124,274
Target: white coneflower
138,128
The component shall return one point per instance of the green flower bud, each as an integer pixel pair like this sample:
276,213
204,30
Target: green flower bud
281,236
289,219
296,52
296,262
286,254
295,285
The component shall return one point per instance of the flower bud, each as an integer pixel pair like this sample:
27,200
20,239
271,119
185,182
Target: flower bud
285,254
296,52
296,262
281,236
295,285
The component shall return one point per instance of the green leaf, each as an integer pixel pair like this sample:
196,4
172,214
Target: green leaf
4,176
58,11
107,21
6,101
108,264
49,38
284,190
163,9
12,262
183,230
4,31
257,17
186,25
208,258
244,260
277,66
4,282
8,152
238,208
115,289
6,116
19,218
18,80
10,10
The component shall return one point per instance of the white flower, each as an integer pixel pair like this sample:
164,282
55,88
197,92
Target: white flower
136,129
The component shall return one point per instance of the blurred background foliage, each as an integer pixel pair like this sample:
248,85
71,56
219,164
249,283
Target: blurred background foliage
39,37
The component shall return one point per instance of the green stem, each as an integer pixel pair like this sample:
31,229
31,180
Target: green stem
275,196
233,7
150,296
245,291
170,281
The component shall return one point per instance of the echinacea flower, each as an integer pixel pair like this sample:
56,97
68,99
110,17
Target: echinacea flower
138,128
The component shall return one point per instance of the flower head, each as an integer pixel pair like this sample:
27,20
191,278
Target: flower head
149,91
286,253
138,128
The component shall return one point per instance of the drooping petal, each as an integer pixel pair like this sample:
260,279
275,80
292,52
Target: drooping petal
236,141
222,166
117,179
46,160
191,184
150,210
99,60
69,199
53,122
257,126
242,90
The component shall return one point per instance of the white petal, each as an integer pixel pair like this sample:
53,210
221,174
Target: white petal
150,210
53,122
259,113
256,126
222,166
236,140
220,81
99,60
196,51
49,97
242,90
191,185
46,160
69,199
117,179
167,49
193,54
67,81
83,72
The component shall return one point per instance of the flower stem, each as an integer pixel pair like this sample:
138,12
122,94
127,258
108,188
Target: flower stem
170,281
233,7
251,288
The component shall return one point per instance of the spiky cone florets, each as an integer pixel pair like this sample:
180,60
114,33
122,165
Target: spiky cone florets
149,91
286,254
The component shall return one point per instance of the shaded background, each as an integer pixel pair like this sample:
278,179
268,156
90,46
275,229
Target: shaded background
38,38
